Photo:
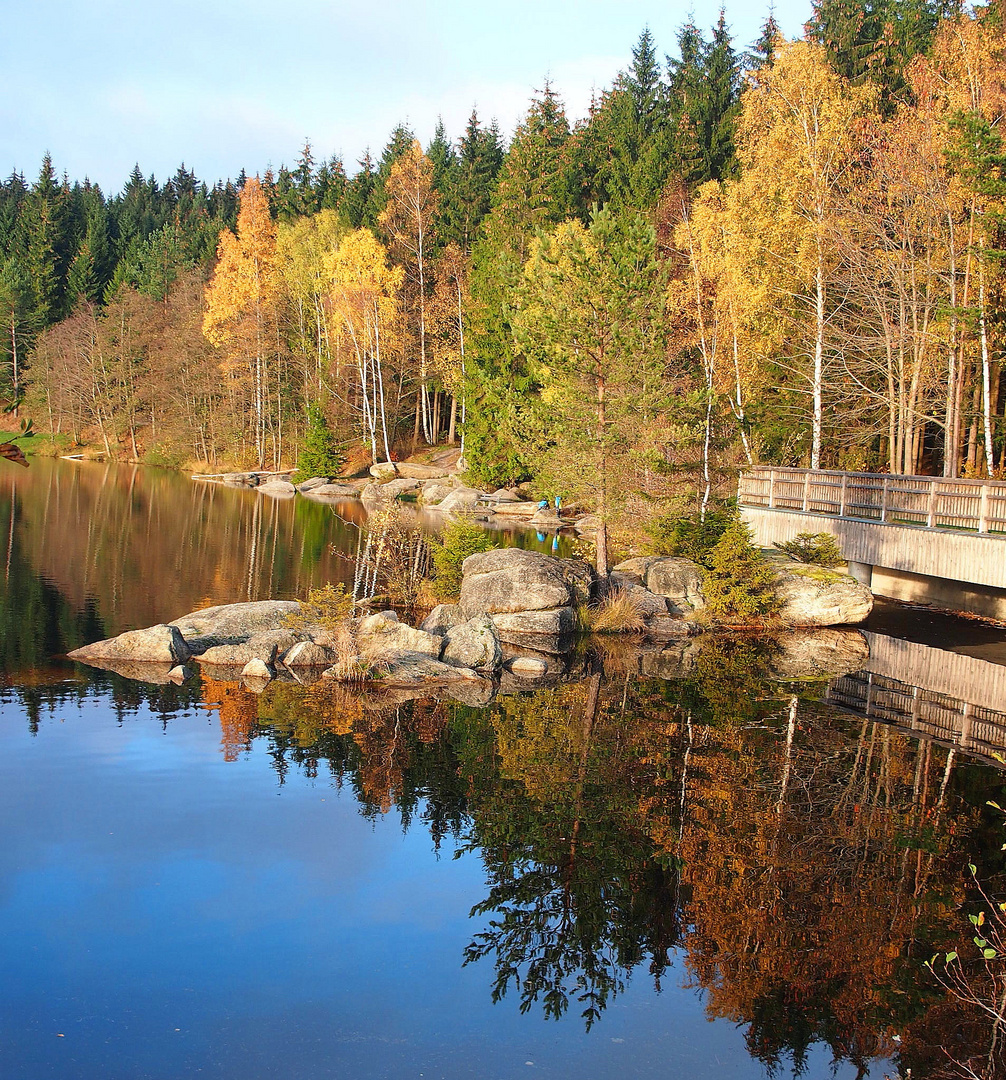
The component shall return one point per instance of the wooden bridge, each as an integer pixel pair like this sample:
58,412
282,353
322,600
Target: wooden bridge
958,701
917,538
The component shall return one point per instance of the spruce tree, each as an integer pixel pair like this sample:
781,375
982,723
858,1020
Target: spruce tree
320,453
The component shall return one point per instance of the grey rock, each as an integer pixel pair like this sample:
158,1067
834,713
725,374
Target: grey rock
433,493
512,580
528,667
312,483
546,519
680,581
649,604
415,470
812,596
589,523
515,509
671,627
232,624
256,669
308,654
332,491
383,470
162,644
178,674
441,619
411,667
506,495
238,655
283,639
461,498
382,635
281,489
394,488
636,569
473,644
553,622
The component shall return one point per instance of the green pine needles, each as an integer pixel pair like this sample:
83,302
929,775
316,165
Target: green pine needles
320,454
739,585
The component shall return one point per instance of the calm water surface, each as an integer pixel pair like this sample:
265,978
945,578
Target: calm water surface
717,876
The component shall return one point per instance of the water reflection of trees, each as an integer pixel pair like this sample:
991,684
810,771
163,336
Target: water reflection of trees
801,864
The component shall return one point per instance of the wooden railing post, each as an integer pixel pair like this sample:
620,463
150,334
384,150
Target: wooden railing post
841,498
771,488
983,510
883,499
806,489
931,514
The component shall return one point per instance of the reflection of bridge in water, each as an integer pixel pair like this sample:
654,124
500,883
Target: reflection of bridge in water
958,701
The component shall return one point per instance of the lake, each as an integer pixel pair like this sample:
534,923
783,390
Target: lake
728,874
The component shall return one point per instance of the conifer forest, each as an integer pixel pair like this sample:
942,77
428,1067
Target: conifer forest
786,251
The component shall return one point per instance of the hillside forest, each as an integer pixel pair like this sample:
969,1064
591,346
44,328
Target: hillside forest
789,253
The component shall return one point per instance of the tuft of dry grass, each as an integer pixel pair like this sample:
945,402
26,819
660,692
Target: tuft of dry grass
617,613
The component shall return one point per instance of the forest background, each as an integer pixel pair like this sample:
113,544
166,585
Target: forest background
790,254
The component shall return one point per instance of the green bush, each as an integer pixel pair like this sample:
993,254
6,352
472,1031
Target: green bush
456,542
739,581
817,548
690,537
320,454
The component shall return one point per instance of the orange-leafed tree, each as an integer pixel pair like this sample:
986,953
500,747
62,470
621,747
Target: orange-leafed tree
241,306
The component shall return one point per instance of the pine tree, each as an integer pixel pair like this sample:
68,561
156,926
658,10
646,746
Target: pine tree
320,453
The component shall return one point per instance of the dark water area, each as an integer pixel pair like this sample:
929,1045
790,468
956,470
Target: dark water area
728,873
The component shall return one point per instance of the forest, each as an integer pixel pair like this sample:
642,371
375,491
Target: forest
790,253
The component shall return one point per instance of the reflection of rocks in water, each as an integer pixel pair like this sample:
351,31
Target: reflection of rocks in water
139,671
818,654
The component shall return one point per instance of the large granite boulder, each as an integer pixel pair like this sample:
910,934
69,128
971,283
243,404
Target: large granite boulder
432,494
441,619
381,636
635,569
514,626
813,596
460,498
679,581
233,624
308,654
383,470
162,644
508,580
473,644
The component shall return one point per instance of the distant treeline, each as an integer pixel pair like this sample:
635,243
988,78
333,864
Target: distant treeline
804,237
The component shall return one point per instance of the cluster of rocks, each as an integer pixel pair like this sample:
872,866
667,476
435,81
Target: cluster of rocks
280,485
518,610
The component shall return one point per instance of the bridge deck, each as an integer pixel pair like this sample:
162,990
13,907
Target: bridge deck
928,526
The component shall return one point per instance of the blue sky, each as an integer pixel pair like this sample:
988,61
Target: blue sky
223,84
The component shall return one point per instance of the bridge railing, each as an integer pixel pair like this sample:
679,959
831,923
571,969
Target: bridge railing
926,501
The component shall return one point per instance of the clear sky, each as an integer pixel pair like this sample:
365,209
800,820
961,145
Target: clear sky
226,84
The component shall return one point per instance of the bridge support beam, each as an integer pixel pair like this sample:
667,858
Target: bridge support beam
862,572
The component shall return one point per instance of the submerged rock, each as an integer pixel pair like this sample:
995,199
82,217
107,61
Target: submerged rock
256,669
162,644
528,667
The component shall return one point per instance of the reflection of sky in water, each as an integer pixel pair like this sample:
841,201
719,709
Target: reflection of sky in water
167,912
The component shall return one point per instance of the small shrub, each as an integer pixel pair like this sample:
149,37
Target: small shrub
320,454
817,548
617,613
456,542
739,581
329,607
690,537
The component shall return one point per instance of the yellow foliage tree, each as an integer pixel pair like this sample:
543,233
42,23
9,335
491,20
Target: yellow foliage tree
241,307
